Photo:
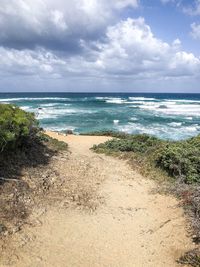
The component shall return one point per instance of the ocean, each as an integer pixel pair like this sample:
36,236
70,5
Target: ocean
168,116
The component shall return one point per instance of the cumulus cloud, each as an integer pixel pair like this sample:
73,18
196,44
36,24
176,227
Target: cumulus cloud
55,24
132,49
28,62
129,49
86,40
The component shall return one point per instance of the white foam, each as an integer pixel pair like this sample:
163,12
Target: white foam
61,128
175,124
8,99
116,122
173,108
51,105
50,112
134,119
134,106
182,100
115,101
101,98
47,113
193,128
142,98
26,108
164,131
32,99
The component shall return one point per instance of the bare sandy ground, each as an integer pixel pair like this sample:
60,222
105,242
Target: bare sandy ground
105,215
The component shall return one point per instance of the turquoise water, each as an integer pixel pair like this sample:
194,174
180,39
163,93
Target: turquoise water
169,116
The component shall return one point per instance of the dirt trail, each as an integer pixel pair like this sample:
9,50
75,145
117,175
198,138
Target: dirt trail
123,224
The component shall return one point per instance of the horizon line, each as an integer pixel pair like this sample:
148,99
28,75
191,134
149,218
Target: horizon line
39,92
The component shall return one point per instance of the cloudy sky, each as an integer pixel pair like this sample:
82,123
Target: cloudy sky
100,45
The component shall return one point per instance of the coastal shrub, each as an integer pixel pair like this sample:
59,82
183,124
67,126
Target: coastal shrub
191,258
16,126
55,144
179,159
131,143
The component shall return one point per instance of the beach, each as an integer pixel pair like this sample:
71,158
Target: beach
99,212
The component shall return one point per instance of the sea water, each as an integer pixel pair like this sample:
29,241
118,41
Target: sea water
168,116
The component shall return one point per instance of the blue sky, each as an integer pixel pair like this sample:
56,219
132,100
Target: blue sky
100,45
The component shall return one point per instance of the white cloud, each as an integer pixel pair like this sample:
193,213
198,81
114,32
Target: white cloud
132,49
55,23
87,40
195,30
129,50
27,62
58,20
124,3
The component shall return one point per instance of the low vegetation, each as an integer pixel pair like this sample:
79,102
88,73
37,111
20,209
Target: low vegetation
24,148
16,126
20,129
180,160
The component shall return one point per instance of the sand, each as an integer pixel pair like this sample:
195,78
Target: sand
109,216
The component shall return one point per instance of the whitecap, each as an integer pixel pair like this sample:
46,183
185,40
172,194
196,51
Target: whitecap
47,113
133,118
175,124
115,101
142,98
173,109
32,99
182,101
116,122
26,108
61,128
161,130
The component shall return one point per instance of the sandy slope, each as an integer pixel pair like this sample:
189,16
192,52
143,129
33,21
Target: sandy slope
107,216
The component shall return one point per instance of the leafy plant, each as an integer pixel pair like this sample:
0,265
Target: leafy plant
180,159
16,125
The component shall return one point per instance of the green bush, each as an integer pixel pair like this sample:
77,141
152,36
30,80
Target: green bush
134,143
16,125
55,144
180,159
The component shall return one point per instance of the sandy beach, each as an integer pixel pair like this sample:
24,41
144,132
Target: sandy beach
100,213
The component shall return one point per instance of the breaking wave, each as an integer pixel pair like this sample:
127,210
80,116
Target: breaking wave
171,118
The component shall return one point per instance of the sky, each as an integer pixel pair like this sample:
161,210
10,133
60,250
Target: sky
100,46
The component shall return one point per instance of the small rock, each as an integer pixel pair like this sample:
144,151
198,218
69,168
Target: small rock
69,132
3,228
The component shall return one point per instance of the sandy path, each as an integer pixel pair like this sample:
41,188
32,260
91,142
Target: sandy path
131,226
